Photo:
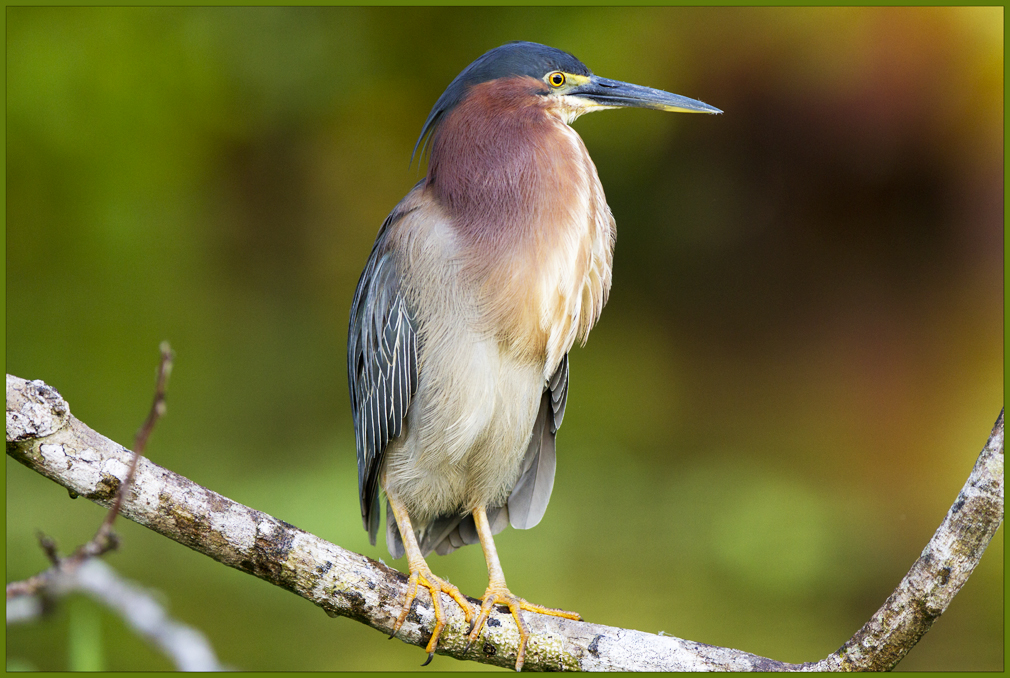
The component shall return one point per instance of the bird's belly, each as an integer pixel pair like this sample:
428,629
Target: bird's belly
467,430
480,376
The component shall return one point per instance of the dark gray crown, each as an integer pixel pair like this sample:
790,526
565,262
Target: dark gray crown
513,58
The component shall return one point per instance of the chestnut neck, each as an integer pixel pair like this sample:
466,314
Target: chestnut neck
499,164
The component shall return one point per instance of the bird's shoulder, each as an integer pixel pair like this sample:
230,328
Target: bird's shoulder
421,232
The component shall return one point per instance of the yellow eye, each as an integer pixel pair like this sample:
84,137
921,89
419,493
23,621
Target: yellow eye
556,79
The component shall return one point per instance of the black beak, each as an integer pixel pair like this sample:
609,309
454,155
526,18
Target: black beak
614,93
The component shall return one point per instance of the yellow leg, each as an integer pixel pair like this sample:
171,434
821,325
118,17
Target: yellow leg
497,592
421,574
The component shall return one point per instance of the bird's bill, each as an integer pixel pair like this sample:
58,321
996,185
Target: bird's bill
600,92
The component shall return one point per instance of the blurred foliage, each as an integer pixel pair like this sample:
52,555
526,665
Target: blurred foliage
84,639
800,360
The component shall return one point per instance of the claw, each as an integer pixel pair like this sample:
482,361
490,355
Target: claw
495,594
411,594
422,577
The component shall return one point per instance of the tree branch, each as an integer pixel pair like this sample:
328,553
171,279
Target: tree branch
43,435
944,566
186,647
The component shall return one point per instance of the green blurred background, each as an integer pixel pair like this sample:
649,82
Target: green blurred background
800,360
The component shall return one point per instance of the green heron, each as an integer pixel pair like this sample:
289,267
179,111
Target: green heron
479,282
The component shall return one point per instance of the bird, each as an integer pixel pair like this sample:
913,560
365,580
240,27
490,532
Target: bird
479,282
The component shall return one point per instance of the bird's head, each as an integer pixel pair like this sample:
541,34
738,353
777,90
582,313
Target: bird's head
569,87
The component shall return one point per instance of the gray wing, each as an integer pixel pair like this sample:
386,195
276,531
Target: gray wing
381,367
529,498
528,501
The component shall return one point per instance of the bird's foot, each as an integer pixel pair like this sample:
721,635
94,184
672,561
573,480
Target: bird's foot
500,595
422,576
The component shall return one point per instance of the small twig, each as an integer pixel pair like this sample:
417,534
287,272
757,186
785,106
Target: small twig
48,545
105,539
30,586
34,584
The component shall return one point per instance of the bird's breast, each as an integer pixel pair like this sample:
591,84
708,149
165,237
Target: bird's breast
550,274
536,234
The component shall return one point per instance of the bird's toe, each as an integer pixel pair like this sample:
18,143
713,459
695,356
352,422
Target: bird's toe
501,595
423,578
